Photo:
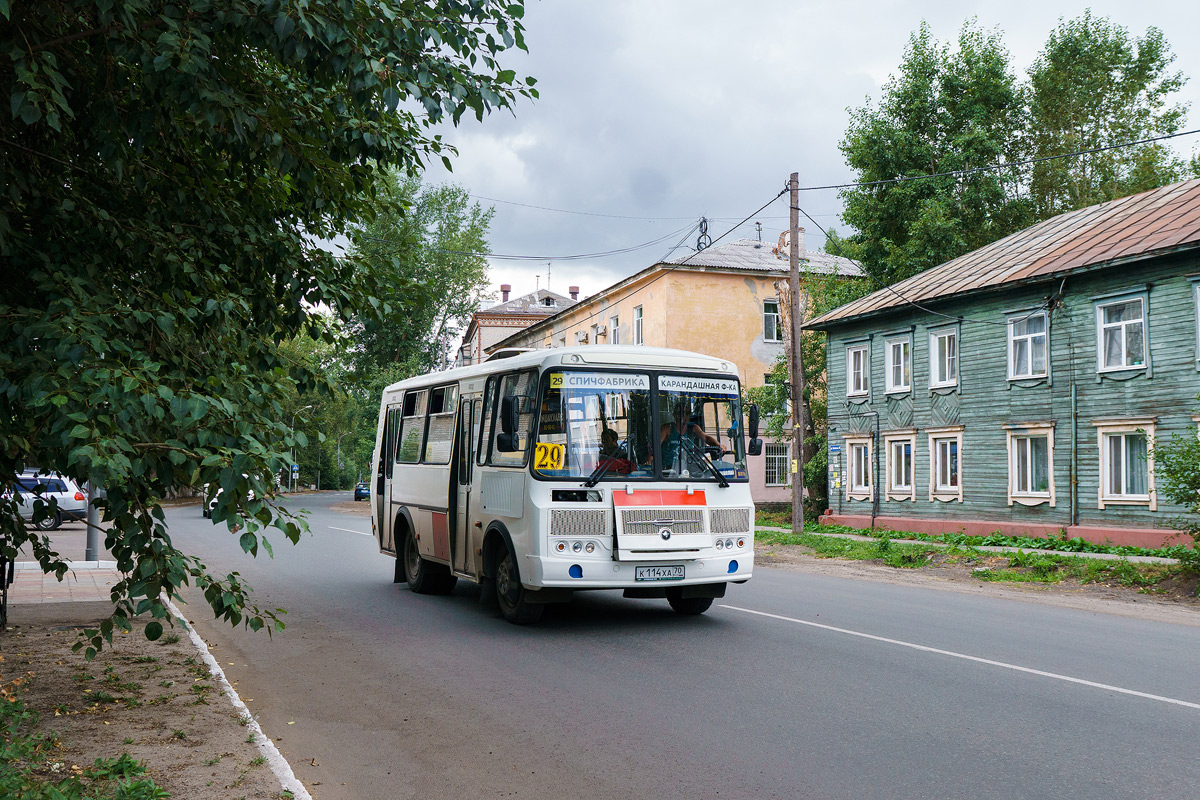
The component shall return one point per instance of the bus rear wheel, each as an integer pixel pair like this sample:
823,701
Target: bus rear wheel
425,577
688,606
511,596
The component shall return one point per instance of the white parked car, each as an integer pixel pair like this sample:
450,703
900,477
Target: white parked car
72,502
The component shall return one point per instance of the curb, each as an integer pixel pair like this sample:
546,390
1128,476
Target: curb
279,765
987,547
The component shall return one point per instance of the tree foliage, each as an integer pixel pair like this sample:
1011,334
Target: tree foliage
431,239
958,108
166,169
1177,469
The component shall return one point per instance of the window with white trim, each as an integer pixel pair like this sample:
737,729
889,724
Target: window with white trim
858,369
945,463
637,325
899,450
899,364
1121,334
1027,347
858,460
943,358
1031,463
772,322
775,463
1126,461
614,328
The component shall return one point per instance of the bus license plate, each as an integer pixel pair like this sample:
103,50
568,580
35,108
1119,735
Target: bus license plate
671,572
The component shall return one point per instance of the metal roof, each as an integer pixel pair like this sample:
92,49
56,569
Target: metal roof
1141,225
753,255
533,303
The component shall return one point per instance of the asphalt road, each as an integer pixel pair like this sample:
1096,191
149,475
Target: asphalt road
794,685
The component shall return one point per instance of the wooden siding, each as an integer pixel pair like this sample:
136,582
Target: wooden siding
986,400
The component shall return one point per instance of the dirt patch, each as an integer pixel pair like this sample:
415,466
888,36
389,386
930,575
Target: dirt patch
153,700
1174,600
359,508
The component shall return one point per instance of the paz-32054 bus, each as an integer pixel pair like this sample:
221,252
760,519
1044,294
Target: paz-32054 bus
553,471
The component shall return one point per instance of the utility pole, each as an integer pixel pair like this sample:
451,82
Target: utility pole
799,423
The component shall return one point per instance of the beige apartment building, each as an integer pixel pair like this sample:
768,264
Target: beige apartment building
721,302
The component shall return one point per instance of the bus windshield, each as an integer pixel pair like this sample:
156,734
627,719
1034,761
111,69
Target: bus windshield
595,419
618,426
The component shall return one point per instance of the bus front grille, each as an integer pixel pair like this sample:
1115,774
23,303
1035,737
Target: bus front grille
649,521
730,520
579,522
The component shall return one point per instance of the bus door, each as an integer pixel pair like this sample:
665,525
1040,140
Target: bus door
464,479
383,480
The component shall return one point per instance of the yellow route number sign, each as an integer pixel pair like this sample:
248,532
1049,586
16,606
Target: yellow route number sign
548,456
556,382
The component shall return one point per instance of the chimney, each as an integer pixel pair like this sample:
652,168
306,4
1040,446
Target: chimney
504,290
574,292
783,249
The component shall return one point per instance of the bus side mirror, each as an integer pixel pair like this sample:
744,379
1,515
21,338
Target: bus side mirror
508,415
754,448
753,412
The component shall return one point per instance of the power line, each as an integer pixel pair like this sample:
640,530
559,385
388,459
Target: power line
1009,165
580,213
506,257
914,303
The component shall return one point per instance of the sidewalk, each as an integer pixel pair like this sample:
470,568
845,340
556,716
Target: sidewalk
84,581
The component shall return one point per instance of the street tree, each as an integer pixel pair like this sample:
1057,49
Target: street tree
432,240
947,109
1093,86
167,169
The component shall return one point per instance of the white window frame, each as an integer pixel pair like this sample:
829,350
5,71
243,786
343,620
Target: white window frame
891,440
935,379
859,491
637,325
1029,338
905,343
787,460
614,322
950,433
1016,434
777,326
1141,300
852,389
1120,427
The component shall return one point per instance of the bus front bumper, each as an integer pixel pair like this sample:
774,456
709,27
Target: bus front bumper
593,573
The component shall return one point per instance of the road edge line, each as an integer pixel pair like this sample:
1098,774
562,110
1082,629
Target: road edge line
279,765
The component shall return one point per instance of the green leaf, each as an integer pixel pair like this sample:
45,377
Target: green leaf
154,630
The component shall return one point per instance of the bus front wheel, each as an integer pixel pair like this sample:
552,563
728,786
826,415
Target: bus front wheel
511,596
688,606
425,577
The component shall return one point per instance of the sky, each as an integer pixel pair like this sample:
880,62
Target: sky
654,113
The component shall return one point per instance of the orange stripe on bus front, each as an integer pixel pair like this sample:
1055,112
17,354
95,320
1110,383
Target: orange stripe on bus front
654,497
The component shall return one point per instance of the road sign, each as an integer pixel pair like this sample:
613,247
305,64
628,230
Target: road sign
295,467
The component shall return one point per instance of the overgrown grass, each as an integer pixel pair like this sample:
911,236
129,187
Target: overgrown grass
29,768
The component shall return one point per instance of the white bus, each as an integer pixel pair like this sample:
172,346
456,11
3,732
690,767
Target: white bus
551,471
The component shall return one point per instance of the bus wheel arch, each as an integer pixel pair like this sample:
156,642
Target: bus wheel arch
504,577
401,527
421,575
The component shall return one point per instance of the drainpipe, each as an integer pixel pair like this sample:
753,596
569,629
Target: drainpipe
1074,453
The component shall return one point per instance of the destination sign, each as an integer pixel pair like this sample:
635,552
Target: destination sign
676,383
612,381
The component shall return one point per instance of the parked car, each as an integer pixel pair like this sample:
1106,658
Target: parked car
72,502
362,491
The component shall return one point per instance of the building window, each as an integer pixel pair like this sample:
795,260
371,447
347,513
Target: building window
1031,463
858,367
943,358
899,365
898,451
858,454
1121,334
1027,347
945,463
1126,462
614,326
775,465
772,323
637,325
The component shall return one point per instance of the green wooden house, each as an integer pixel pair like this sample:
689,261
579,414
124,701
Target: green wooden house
1021,387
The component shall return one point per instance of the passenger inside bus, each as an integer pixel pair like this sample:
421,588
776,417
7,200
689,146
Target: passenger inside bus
685,436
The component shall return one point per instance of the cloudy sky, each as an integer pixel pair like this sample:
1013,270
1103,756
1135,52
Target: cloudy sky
656,112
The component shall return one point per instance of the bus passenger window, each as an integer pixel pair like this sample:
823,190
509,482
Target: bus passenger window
412,428
439,436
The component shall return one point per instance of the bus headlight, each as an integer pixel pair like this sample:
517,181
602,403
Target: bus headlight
577,546
729,544
590,547
720,544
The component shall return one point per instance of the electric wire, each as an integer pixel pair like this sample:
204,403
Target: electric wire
506,257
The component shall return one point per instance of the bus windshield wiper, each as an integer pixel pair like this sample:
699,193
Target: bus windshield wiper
706,461
604,466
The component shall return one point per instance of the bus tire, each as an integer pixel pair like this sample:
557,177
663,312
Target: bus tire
422,576
511,596
688,606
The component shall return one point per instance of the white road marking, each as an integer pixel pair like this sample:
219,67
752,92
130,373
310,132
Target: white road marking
279,764
976,659
347,530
